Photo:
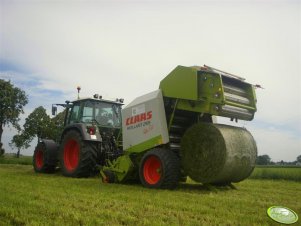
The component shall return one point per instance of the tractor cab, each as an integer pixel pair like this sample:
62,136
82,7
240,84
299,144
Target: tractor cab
97,119
102,113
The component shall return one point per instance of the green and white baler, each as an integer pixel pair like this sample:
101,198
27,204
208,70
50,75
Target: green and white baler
171,133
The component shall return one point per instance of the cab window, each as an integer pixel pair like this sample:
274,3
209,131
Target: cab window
88,112
74,113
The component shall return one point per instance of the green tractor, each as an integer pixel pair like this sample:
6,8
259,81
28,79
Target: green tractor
162,137
91,135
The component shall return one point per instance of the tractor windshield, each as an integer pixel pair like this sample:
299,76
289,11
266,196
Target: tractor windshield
107,114
103,113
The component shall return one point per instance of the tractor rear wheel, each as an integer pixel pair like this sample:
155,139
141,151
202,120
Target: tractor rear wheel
77,157
160,168
44,160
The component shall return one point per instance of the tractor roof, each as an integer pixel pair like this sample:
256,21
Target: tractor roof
98,100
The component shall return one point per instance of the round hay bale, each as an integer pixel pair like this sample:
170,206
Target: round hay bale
216,153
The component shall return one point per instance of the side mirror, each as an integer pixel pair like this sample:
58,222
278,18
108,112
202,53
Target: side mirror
54,110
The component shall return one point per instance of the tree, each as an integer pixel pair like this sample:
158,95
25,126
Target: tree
38,124
20,141
263,160
299,158
12,101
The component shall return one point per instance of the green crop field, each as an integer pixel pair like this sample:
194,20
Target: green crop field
27,198
11,159
276,173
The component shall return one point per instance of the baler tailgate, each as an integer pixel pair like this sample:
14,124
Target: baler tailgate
238,98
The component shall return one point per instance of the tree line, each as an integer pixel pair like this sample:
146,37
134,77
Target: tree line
266,160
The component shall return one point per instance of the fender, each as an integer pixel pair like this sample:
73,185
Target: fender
52,149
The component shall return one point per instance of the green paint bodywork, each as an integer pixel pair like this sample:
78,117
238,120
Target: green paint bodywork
181,82
153,142
203,91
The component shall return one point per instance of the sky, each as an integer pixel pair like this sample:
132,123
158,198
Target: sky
123,49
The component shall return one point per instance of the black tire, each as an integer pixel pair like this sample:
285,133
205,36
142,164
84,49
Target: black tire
44,160
77,157
183,179
183,175
110,177
160,168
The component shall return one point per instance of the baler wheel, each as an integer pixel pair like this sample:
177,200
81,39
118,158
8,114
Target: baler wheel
77,157
160,168
44,160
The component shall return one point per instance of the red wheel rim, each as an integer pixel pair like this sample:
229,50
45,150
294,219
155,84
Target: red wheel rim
152,170
71,154
39,159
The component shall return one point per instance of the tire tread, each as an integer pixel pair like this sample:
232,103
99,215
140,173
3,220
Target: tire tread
171,168
87,160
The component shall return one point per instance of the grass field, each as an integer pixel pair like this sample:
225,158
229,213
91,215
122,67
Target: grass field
10,159
27,198
276,173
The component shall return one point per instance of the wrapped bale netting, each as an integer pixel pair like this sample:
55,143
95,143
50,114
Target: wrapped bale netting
215,153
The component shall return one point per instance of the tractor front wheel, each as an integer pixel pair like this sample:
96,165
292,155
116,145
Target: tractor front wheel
160,168
77,157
